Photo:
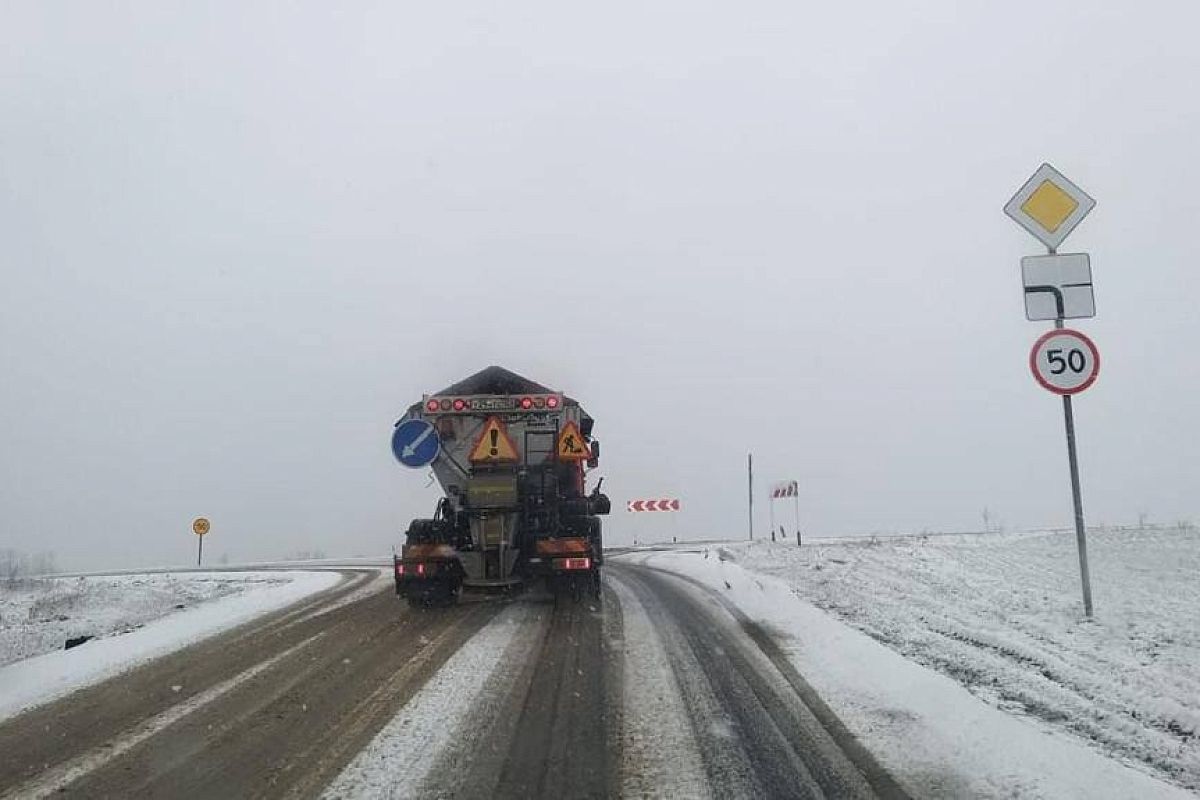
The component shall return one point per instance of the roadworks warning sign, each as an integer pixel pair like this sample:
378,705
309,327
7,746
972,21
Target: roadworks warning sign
571,446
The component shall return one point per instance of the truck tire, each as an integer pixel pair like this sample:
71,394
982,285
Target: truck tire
421,531
595,539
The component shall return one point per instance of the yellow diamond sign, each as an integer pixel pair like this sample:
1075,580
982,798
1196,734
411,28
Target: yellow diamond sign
1049,206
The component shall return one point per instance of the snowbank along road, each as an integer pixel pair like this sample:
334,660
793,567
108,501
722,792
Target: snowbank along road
656,690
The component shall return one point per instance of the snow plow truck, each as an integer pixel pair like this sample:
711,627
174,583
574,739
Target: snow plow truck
512,458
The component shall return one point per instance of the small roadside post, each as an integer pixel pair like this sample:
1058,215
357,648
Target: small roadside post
200,527
1058,286
750,492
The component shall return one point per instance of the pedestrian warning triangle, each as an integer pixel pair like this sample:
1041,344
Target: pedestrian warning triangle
493,445
571,446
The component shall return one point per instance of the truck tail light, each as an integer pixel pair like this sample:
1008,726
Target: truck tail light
526,403
551,402
445,404
431,406
420,569
583,562
400,569
460,404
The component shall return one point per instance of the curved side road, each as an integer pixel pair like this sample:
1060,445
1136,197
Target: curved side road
271,709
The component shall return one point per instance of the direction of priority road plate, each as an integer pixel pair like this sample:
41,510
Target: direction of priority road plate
415,443
1058,287
1049,206
1064,361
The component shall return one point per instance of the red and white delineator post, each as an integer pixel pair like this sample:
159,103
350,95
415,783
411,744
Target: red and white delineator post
781,490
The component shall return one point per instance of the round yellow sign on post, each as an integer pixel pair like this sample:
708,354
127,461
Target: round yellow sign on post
200,526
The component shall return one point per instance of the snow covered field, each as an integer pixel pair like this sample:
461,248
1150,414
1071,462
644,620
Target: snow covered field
37,615
133,618
1001,614
935,737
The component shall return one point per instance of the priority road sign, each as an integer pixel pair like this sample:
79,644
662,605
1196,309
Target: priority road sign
1064,361
1058,287
415,443
1049,206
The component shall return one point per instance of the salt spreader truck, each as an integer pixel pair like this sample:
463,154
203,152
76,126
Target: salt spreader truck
512,458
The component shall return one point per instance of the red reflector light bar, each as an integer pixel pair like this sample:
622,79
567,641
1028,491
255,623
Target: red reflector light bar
584,562
400,569
493,404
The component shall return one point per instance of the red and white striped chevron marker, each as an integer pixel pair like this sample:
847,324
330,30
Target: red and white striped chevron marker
785,489
653,505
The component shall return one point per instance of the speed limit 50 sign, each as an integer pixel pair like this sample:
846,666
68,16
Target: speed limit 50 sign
1064,361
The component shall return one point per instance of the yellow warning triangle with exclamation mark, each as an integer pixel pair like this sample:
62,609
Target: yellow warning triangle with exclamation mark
493,445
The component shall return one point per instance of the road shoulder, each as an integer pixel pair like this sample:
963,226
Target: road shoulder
933,736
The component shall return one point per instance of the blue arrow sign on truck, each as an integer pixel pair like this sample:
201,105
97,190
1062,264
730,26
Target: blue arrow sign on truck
415,443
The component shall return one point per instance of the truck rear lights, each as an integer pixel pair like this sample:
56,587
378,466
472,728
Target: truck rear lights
445,404
583,562
420,569
460,404
526,403
539,402
400,570
431,406
551,402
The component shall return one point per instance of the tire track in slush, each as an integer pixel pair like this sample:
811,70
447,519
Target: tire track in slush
288,731
49,734
269,710
756,736
546,724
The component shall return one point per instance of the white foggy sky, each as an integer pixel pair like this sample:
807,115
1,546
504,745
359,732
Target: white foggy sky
237,242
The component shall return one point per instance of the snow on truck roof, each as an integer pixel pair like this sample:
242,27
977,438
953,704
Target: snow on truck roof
498,380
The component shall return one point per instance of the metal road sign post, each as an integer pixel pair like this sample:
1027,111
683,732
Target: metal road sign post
200,527
750,491
1059,287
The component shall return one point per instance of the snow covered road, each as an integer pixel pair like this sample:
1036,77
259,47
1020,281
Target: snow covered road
693,678
128,619
528,698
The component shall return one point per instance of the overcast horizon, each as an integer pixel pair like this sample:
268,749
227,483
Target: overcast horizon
239,243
